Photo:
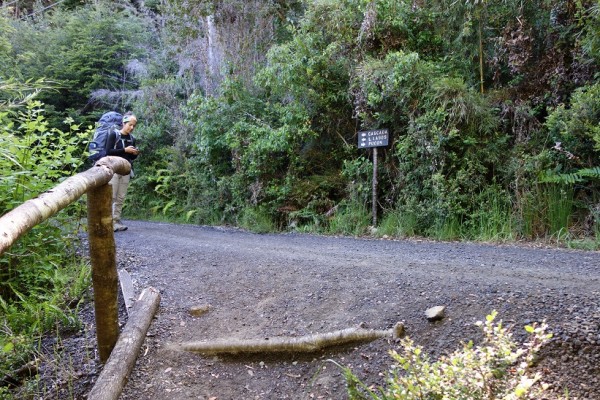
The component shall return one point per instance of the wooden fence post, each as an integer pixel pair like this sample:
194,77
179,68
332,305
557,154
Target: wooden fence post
17,222
104,268
117,369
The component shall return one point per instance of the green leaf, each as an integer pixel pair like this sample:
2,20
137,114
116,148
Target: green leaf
168,206
189,214
8,347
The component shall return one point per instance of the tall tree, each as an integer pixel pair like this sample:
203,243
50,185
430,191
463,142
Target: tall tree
87,50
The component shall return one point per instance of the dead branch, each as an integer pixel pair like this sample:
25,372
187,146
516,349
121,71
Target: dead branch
16,377
304,344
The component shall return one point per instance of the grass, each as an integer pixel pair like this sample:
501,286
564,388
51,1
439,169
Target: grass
28,317
545,213
351,219
61,358
256,220
447,229
492,220
398,224
559,202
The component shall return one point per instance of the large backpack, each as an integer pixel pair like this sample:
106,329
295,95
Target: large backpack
109,122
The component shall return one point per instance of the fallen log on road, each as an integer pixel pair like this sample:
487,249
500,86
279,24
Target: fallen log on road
303,344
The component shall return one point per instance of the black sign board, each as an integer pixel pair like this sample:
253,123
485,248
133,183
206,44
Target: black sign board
375,138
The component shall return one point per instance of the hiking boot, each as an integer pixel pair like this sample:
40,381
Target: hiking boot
118,227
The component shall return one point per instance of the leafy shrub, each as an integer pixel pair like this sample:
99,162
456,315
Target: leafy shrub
248,149
496,369
576,129
41,276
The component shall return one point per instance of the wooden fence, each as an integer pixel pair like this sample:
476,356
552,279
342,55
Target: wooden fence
94,182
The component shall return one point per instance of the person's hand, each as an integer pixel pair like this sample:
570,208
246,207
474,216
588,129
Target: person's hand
132,150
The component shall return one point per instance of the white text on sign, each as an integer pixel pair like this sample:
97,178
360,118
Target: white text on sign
374,138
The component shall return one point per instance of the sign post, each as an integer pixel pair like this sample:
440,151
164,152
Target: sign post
374,139
374,209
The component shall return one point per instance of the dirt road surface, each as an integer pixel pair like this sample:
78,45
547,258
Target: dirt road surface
274,285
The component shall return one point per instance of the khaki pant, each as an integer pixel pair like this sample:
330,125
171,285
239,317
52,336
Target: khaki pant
119,184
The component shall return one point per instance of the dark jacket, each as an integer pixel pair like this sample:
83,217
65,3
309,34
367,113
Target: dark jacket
115,147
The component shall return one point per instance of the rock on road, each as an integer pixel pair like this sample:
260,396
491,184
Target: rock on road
272,285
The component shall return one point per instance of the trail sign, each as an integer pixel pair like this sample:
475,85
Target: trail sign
374,138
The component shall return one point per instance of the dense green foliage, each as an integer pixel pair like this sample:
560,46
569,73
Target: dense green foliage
88,52
249,113
492,108
41,276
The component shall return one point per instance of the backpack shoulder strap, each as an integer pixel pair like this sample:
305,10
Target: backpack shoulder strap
117,133
117,136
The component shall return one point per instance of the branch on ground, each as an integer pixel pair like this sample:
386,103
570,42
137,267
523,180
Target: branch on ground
304,344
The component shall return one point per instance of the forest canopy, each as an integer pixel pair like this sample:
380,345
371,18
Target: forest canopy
249,110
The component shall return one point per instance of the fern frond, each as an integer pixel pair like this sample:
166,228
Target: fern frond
590,172
570,178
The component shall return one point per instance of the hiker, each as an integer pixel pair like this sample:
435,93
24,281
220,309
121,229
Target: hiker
121,143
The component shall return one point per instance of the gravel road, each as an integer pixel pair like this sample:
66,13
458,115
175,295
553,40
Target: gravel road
266,286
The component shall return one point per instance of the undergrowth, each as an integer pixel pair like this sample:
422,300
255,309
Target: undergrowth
42,276
498,368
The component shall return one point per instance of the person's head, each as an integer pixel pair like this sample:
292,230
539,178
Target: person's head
129,122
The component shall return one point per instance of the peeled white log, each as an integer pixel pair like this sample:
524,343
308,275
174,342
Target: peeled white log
20,220
303,344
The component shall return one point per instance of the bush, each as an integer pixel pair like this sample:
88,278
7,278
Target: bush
41,277
496,369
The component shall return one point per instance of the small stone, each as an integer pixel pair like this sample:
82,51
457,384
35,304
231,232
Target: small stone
197,311
435,313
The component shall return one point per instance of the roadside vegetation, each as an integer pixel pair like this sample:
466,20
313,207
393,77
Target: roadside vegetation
249,113
498,368
43,278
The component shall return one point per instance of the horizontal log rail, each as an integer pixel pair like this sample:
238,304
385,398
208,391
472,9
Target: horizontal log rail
94,182
22,219
117,352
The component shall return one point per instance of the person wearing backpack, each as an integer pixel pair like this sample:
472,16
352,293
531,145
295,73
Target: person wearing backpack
121,143
109,122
